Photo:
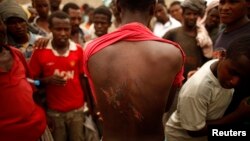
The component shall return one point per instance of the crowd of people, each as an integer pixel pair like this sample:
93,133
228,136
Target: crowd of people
123,71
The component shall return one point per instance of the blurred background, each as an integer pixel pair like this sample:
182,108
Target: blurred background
93,3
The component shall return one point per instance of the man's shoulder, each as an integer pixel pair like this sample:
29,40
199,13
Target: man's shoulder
173,31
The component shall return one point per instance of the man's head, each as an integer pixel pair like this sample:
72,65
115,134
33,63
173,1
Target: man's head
142,7
59,24
175,10
55,5
213,18
14,18
42,7
232,11
102,20
161,12
192,9
233,67
74,12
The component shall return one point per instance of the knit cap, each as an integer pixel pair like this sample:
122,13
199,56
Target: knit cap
10,8
196,5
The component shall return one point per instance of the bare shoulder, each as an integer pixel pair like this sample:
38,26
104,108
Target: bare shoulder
167,53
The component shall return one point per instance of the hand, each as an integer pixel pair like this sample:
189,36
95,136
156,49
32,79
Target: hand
244,107
56,80
203,39
41,43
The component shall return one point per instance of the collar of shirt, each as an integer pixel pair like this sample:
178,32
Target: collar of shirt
72,47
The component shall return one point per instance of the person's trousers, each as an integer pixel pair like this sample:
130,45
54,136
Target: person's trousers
67,126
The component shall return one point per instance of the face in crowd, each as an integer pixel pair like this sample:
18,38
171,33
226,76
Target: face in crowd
232,10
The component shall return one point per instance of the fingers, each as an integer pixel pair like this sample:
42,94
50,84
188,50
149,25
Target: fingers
41,43
59,80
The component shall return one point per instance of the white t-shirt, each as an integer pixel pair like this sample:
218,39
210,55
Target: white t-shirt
200,99
161,29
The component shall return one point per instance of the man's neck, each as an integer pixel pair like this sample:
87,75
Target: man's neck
60,48
135,17
166,19
190,30
235,25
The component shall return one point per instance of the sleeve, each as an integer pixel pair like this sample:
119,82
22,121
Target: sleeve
179,78
35,65
193,107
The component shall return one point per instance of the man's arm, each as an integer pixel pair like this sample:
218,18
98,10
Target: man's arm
87,92
171,97
242,111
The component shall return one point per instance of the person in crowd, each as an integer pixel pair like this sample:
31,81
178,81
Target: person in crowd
77,34
41,21
205,96
74,12
235,20
212,21
175,10
186,34
87,26
164,22
127,94
21,119
55,5
102,21
59,68
16,22
237,24
33,14
116,18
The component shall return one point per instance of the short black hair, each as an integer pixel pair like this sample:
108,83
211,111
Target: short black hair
175,3
57,14
70,5
136,5
105,11
239,47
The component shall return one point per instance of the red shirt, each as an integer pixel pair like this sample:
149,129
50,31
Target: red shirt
20,118
47,62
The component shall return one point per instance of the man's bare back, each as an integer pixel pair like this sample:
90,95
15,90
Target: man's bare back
132,81
131,72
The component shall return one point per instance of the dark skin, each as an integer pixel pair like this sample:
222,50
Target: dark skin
54,5
189,21
18,29
233,14
6,59
127,94
61,30
222,70
161,13
42,8
101,24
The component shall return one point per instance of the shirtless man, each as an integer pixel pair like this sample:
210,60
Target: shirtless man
131,73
